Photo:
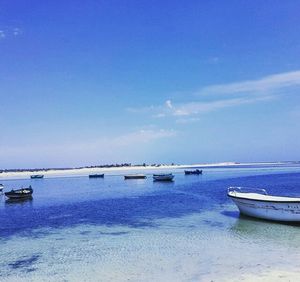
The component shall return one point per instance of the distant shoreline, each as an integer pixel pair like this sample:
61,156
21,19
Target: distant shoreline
65,172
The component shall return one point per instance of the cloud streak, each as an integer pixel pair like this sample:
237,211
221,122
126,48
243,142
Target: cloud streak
194,108
142,136
266,84
229,95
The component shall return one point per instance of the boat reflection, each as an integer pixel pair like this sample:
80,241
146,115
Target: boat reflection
248,228
21,201
163,183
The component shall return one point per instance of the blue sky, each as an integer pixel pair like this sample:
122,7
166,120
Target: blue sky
93,82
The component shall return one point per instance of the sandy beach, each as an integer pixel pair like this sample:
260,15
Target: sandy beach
122,170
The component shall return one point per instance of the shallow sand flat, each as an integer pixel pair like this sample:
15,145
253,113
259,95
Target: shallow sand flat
171,251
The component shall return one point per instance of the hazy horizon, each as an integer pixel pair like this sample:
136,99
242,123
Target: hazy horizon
95,82
108,165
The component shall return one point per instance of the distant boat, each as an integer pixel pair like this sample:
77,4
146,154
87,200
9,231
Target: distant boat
22,193
37,176
135,176
163,177
96,175
257,203
189,172
1,187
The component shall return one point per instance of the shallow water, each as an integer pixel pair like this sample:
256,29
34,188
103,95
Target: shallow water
81,229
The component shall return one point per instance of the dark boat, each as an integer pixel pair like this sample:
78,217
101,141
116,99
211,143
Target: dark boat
96,175
163,177
1,187
37,176
135,176
189,172
22,193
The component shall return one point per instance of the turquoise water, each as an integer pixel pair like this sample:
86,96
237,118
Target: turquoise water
81,229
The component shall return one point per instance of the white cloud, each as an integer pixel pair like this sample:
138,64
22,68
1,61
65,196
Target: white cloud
8,32
233,95
194,108
184,120
2,34
169,104
16,31
200,107
142,109
266,85
142,136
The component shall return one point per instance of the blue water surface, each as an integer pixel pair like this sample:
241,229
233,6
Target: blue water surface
197,203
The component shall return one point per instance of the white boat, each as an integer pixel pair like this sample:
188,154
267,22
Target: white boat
1,187
163,177
257,203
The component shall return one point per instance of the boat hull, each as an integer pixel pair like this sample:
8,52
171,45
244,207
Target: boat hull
289,211
128,177
23,193
163,177
15,197
193,172
37,176
96,176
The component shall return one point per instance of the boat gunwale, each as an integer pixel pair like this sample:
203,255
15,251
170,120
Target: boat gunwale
269,201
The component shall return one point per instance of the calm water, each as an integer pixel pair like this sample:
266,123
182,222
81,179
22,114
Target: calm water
81,229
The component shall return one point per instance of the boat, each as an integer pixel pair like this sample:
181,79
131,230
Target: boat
189,172
20,193
257,203
1,187
96,175
163,177
37,176
135,176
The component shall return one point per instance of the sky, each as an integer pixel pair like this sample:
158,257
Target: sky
96,82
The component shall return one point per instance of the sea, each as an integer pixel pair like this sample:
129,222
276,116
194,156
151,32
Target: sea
81,229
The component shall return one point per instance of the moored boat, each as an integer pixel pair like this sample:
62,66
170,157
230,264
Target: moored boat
163,177
96,175
257,203
37,176
20,193
135,176
189,172
1,187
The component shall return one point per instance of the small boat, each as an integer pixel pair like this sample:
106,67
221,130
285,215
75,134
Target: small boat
20,193
1,187
135,176
96,175
257,203
163,177
37,176
189,172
